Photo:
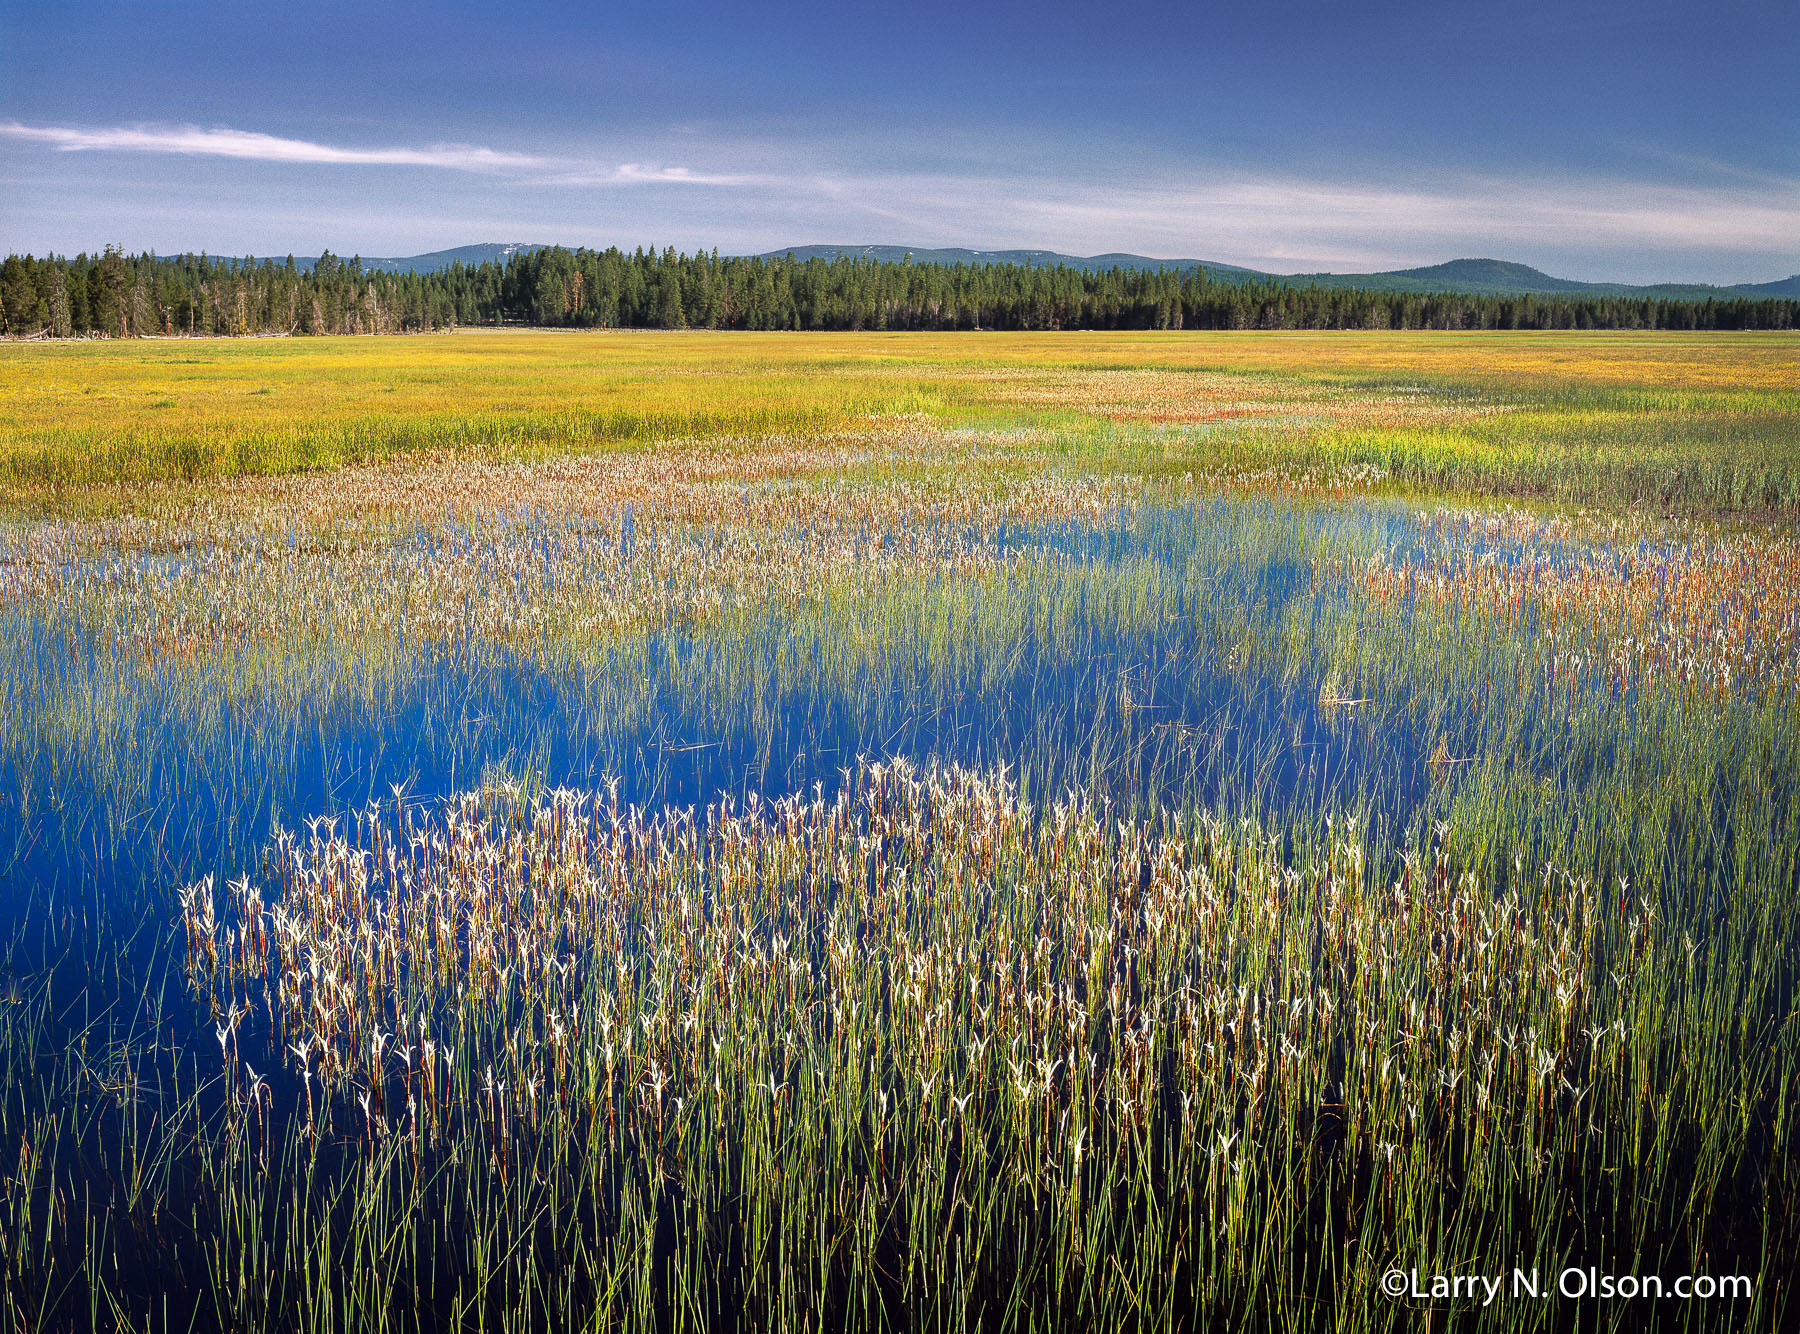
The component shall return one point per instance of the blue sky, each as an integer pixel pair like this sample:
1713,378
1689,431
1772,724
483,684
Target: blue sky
1636,142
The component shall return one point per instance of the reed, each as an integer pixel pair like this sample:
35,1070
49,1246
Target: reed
1018,861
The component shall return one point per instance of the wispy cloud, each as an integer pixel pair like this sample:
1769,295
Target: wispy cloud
634,173
1299,223
251,145
194,141
639,173
719,187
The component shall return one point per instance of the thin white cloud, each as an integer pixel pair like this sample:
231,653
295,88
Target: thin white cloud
639,173
635,173
763,194
193,141
1297,223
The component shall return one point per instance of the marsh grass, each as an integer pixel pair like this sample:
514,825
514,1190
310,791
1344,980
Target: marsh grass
1013,874
1688,422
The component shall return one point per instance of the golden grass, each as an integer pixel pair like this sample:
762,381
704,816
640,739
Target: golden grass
1438,409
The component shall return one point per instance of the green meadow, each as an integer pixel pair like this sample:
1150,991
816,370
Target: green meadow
677,831
1689,421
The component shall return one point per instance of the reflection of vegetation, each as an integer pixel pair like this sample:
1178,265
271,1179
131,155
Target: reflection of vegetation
1332,881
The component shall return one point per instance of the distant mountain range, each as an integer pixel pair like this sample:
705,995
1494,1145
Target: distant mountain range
433,261
1459,275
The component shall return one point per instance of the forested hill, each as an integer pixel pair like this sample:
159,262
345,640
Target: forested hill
117,295
431,261
1495,276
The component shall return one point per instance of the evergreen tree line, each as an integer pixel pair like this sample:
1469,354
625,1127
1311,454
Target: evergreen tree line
118,295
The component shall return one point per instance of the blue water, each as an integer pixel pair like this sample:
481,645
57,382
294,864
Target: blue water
169,790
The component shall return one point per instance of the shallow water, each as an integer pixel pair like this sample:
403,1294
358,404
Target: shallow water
120,784
1138,704
1179,656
